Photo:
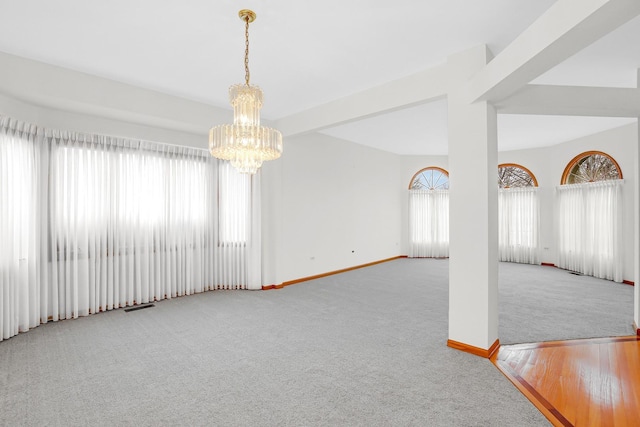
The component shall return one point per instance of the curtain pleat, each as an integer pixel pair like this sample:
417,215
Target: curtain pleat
518,225
428,223
91,223
19,227
590,228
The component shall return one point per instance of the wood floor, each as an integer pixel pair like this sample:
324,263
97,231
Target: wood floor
593,382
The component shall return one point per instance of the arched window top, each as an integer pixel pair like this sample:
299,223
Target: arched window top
430,178
591,166
514,175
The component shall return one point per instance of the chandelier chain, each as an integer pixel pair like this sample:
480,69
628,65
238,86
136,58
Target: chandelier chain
246,51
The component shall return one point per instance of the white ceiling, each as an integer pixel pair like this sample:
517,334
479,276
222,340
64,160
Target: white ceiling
423,130
417,130
305,53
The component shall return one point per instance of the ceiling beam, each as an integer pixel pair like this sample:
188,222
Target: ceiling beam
572,101
565,29
412,90
419,88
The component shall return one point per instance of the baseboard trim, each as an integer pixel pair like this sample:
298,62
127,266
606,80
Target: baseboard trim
427,257
344,270
477,351
550,264
331,273
269,287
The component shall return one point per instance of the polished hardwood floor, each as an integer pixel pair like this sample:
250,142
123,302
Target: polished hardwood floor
592,382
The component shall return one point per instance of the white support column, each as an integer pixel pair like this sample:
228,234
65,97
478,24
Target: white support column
636,231
473,226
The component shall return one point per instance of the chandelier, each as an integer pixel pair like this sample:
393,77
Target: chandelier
245,143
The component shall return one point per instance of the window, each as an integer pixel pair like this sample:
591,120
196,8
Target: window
518,214
90,223
104,187
430,178
511,175
589,216
429,213
591,166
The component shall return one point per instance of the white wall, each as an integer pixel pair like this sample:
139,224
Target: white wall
337,205
88,123
325,198
548,164
59,89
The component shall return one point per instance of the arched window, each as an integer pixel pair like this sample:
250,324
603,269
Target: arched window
590,225
430,178
518,214
429,213
511,175
591,166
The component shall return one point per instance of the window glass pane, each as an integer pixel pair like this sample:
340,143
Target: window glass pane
430,179
592,168
512,176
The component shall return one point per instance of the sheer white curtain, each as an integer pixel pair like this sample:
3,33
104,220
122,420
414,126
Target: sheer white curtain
131,222
590,228
518,224
239,226
95,223
428,223
19,231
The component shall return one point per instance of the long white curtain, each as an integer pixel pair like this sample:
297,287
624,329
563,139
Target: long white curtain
590,228
428,223
518,225
19,283
91,223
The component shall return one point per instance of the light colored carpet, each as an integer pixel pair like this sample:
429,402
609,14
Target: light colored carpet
362,348
547,304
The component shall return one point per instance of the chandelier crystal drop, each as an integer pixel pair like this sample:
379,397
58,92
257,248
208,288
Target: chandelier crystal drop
245,143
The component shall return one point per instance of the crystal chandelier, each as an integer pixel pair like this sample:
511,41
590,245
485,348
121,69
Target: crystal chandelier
245,143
